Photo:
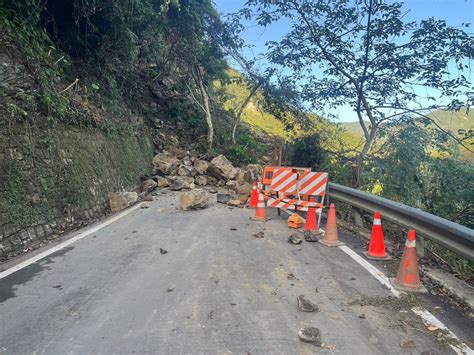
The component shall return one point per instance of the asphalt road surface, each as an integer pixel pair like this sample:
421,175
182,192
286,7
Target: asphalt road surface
215,291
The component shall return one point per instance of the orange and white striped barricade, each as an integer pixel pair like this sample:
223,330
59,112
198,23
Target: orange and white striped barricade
281,181
313,184
269,171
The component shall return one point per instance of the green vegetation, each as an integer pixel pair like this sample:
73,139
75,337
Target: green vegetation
68,165
367,55
15,201
100,65
455,122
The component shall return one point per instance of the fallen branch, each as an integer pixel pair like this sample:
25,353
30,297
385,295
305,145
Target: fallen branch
70,86
56,62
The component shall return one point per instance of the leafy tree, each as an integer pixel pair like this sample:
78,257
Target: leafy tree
364,53
197,28
307,152
418,167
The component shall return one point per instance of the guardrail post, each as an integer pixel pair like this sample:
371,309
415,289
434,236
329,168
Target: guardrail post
420,246
357,217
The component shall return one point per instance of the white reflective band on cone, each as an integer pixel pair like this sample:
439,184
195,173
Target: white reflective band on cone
377,222
410,243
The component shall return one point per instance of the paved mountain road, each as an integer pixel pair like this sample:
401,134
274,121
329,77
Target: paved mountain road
215,291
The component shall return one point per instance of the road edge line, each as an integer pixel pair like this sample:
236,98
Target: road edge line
379,275
427,317
66,243
430,319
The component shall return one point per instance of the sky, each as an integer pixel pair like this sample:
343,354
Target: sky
454,12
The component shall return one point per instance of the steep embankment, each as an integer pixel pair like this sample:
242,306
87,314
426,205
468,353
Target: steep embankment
61,153
54,178
55,175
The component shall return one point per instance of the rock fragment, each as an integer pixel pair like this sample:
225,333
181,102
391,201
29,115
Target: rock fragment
295,239
310,237
310,335
234,203
148,185
305,305
407,343
223,198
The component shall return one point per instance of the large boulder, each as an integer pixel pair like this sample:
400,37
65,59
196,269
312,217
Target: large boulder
232,185
200,180
201,166
131,197
148,185
223,198
244,190
184,170
251,172
194,199
178,153
181,182
187,161
165,163
221,167
211,180
162,181
121,200
240,176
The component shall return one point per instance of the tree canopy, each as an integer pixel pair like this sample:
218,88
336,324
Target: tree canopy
365,54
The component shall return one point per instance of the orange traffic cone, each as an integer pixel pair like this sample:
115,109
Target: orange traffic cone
330,237
408,277
377,243
311,222
254,196
260,214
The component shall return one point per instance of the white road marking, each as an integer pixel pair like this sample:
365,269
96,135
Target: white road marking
150,318
66,243
370,268
428,318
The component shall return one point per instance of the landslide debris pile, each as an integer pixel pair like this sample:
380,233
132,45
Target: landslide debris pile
177,169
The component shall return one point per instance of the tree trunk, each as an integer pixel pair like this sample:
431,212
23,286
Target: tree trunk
205,106
241,110
358,167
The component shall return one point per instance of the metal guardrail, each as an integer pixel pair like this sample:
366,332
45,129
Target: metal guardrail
452,236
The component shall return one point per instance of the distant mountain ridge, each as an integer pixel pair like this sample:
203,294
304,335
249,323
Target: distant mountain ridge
448,120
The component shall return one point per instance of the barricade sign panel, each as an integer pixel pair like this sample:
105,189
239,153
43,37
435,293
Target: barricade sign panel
313,183
284,180
291,188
